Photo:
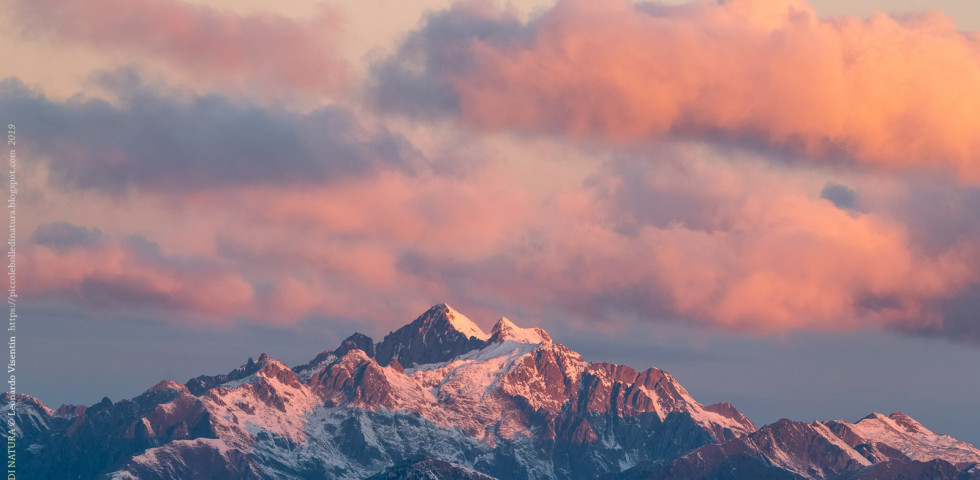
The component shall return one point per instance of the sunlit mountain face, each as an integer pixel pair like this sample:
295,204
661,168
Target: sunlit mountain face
442,398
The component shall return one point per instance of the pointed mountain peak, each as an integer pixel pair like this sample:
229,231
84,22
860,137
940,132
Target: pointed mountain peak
874,416
908,423
357,341
165,385
445,316
505,329
503,324
437,335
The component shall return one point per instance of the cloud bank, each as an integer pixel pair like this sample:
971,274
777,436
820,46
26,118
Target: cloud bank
740,165
157,142
880,93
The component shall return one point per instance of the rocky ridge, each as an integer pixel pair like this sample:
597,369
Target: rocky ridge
441,395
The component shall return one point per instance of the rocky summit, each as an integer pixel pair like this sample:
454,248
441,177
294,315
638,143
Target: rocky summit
441,399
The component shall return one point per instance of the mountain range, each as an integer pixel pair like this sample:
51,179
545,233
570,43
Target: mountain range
441,399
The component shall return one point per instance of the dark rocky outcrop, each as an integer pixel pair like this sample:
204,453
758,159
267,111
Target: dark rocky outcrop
203,383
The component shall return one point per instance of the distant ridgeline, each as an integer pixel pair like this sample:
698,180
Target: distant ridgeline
439,398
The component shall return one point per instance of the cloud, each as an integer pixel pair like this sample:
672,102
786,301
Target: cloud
275,254
695,236
841,196
187,143
62,236
416,79
131,274
960,320
759,251
892,93
262,52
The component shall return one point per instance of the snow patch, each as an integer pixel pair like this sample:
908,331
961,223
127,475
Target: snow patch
464,325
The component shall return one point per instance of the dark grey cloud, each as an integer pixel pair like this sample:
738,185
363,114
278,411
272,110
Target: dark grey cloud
961,318
148,140
134,293
940,212
415,80
841,196
681,201
63,236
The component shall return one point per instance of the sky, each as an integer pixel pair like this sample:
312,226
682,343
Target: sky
774,200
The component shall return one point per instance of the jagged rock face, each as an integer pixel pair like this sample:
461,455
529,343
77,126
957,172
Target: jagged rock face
306,371
357,341
357,379
438,335
512,404
117,431
199,385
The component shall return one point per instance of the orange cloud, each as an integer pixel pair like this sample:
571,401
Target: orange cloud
258,51
884,92
798,262
764,253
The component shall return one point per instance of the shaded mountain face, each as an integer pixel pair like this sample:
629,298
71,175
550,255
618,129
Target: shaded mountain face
438,335
440,398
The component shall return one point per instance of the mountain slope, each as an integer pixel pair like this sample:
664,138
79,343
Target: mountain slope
439,397
895,446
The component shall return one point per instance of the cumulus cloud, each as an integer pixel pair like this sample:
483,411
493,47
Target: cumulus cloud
162,142
262,51
893,93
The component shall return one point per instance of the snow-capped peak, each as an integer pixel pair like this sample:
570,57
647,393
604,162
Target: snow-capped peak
505,329
437,335
914,440
462,324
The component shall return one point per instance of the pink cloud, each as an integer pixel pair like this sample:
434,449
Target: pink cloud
885,92
460,217
762,256
758,250
113,276
277,255
259,51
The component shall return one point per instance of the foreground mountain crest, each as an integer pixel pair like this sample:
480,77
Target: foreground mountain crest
440,398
